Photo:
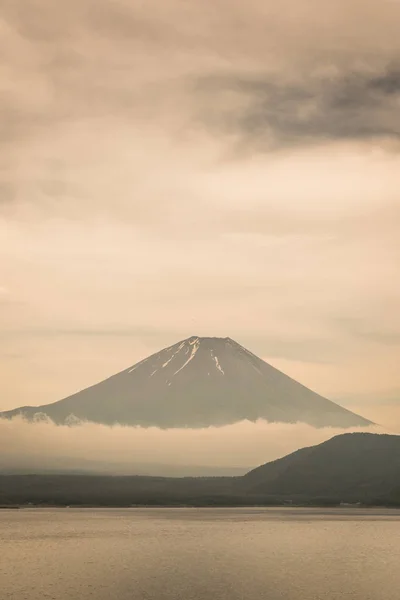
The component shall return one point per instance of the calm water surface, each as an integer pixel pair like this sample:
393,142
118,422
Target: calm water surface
193,554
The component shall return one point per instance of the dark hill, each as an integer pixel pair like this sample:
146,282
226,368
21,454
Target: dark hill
353,465
351,468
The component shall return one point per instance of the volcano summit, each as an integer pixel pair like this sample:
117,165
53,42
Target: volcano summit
198,382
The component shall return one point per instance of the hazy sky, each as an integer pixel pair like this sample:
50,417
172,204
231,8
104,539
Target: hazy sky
210,168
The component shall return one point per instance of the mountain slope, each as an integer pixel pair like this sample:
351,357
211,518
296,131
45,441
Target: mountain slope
354,465
349,468
195,383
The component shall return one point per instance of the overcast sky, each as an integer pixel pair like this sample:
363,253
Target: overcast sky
184,168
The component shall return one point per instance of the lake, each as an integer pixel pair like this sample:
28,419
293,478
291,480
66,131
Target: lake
193,554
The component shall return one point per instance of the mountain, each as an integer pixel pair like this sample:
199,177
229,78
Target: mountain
198,382
352,465
350,468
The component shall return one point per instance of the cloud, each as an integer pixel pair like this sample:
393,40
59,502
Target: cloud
382,337
385,333
125,450
197,167
95,59
271,112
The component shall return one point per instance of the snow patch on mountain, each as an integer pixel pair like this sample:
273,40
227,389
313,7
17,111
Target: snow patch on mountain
138,365
218,365
195,346
174,355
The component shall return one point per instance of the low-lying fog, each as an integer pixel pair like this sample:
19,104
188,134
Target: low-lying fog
232,449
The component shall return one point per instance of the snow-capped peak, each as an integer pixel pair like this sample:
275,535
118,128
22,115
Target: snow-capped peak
195,343
199,382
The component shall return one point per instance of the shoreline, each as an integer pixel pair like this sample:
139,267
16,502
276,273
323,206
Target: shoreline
338,507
